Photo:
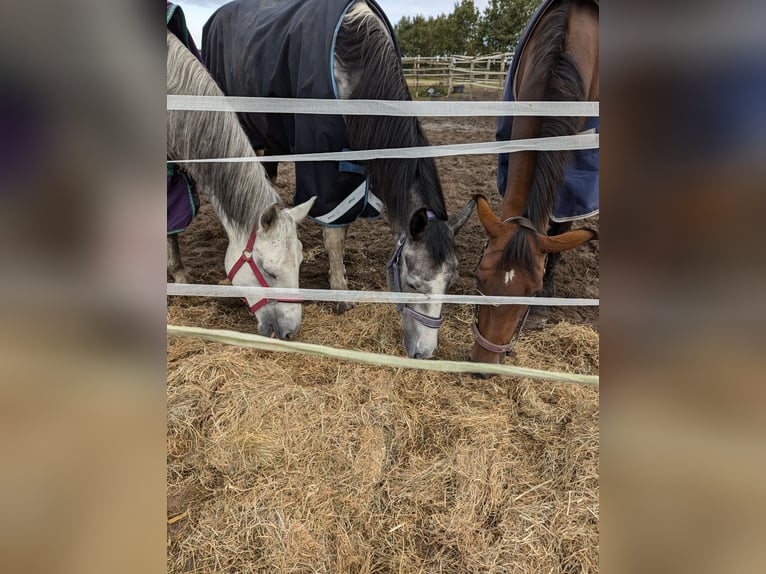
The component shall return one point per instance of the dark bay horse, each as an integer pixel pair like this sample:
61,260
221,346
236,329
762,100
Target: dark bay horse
264,249
343,49
559,62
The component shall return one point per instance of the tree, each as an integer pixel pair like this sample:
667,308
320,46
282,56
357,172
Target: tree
439,35
503,22
463,29
403,32
414,36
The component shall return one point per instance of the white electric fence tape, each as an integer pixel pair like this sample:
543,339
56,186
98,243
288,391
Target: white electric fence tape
188,290
378,107
276,345
585,141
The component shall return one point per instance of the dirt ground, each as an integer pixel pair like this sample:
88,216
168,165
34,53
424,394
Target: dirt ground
278,463
369,243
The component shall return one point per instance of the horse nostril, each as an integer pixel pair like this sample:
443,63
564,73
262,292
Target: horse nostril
417,356
289,335
265,330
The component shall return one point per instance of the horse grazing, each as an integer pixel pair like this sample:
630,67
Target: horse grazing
264,249
343,49
558,61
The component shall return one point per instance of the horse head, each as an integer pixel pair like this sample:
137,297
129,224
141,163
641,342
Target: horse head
424,261
271,257
512,265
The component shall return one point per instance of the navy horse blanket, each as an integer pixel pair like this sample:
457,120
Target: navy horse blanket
285,49
578,196
183,199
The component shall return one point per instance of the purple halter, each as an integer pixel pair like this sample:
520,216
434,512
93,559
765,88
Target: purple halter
393,264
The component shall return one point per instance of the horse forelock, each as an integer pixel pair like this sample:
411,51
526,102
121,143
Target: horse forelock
364,45
518,252
564,84
241,190
439,241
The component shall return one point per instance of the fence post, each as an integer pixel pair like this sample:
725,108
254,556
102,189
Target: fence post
451,73
417,70
486,76
502,71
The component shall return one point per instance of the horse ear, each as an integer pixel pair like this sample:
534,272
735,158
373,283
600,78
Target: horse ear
487,218
461,216
418,223
566,241
299,212
268,218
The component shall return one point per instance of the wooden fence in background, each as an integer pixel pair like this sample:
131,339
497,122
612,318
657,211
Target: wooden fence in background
456,73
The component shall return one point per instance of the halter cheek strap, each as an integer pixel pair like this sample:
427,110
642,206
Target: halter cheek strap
393,264
523,222
247,257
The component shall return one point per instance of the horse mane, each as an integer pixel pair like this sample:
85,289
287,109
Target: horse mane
241,190
364,47
564,84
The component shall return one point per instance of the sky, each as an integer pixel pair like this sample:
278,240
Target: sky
198,11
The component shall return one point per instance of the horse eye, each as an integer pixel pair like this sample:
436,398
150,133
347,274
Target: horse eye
268,275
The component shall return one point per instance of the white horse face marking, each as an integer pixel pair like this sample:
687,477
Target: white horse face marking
509,275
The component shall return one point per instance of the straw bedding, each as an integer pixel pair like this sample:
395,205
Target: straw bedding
291,464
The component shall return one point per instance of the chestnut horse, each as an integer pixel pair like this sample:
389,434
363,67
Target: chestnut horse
559,62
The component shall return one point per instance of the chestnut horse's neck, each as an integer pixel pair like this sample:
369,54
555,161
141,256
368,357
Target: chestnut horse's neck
558,63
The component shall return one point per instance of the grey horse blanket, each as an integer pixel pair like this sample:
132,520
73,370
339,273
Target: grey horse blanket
578,196
285,48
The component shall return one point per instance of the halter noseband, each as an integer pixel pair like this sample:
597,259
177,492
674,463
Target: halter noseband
393,263
489,345
477,336
247,256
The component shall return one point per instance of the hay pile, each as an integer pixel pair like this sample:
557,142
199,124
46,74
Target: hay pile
284,463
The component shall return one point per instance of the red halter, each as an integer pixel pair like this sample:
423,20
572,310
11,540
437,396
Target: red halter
247,256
